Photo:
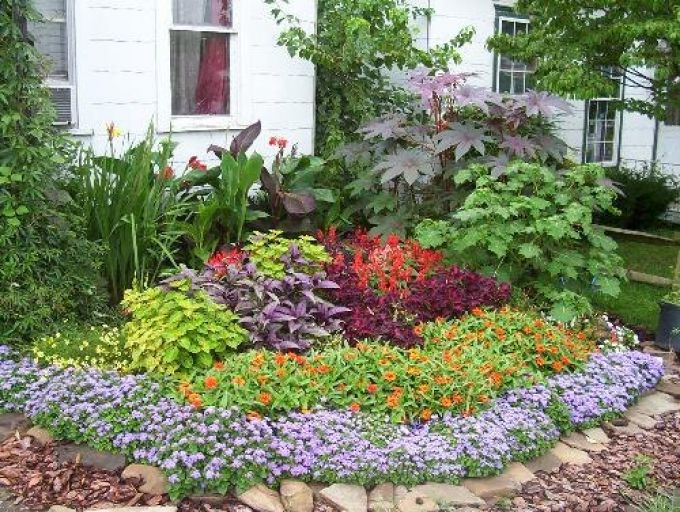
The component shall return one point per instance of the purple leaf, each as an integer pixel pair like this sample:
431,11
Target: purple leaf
463,137
518,145
408,163
542,103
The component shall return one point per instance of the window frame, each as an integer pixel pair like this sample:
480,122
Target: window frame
501,16
167,122
618,120
53,82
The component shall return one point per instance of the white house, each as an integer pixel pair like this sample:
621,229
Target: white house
201,69
198,69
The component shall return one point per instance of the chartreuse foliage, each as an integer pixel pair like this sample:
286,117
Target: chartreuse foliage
48,270
535,228
460,368
265,250
352,46
173,331
579,45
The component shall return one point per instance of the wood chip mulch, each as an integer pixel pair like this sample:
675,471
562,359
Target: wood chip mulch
600,487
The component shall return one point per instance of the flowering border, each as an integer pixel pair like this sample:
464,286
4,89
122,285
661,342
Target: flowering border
215,449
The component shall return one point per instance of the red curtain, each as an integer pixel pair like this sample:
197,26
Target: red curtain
212,88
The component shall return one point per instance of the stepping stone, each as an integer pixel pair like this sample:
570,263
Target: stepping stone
656,404
346,497
134,509
639,419
548,462
569,455
261,498
670,388
492,487
413,502
296,496
12,422
445,494
630,429
596,435
89,457
153,479
580,441
40,435
381,498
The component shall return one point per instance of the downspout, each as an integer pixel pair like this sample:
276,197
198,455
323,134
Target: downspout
620,134
655,143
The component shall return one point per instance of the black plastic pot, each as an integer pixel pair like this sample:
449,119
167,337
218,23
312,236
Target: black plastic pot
668,330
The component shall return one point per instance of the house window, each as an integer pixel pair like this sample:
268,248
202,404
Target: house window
601,125
513,76
200,57
52,39
673,109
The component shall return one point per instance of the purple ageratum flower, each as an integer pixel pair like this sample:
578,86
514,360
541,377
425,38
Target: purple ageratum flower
204,450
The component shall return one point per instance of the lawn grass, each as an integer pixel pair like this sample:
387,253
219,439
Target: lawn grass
637,304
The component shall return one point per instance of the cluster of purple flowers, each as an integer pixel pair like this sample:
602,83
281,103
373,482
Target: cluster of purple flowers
215,449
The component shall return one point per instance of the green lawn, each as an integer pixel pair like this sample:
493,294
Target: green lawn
637,303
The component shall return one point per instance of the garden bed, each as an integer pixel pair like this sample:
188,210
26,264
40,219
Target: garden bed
216,449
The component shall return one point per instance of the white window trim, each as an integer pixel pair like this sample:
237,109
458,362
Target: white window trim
70,82
497,78
615,145
238,66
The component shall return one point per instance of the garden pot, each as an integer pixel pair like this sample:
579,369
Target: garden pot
668,329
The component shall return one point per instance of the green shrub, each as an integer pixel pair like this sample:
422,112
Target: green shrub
266,249
48,269
73,344
172,331
535,228
646,195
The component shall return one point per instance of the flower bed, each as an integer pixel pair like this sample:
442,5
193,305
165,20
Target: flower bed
216,449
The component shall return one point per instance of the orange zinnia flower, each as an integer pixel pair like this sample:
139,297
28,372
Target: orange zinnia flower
478,312
496,378
264,398
553,350
540,348
195,400
392,401
413,370
565,360
418,330
540,361
262,379
426,415
280,359
219,365
457,399
442,380
557,366
423,388
210,382
238,380
390,376
254,416
446,402
280,373
355,407
372,388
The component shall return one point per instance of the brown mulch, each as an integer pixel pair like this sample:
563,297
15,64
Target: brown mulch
600,487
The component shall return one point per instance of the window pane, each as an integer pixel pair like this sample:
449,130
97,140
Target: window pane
199,65
51,41
518,83
506,63
520,28
508,27
202,12
608,152
504,81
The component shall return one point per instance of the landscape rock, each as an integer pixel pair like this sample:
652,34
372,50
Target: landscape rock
381,498
40,435
670,388
656,404
153,479
12,422
492,487
569,455
346,497
89,457
580,441
597,435
547,462
60,508
399,492
166,508
639,419
296,496
413,502
262,498
445,494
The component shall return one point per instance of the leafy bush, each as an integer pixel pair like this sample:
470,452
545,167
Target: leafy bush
49,271
284,313
406,294
535,228
128,201
645,195
177,330
266,251
408,162
81,346
462,366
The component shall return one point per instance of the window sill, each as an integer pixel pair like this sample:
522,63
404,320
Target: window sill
203,124
79,131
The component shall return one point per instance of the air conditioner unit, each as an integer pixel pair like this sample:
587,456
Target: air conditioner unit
62,98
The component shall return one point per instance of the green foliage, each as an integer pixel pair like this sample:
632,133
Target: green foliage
78,345
354,44
646,195
129,204
173,331
49,271
535,229
219,213
265,250
660,503
638,476
577,47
